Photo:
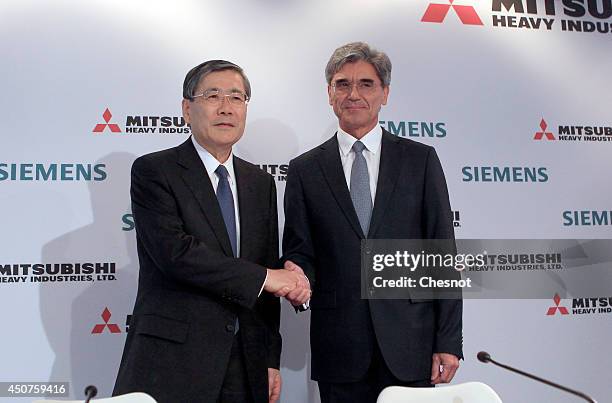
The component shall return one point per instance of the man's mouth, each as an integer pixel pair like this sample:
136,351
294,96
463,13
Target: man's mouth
354,106
224,124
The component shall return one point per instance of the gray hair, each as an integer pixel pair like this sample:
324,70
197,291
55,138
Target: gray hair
200,71
355,51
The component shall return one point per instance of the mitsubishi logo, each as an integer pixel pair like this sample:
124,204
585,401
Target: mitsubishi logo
107,115
539,135
437,13
112,327
553,309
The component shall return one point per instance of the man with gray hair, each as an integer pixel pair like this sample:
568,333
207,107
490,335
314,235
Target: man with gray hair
366,183
205,326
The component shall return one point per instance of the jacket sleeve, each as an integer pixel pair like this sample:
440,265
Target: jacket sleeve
270,303
297,241
438,224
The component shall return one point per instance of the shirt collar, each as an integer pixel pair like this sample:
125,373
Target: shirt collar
211,163
371,140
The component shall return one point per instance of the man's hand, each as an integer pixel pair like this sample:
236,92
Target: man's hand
302,293
274,384
443,367
281,282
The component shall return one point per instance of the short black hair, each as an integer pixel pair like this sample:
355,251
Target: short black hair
200,71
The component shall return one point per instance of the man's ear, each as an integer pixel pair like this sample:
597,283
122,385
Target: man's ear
186,105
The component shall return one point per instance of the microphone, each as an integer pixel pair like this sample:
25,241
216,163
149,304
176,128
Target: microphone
485,357
90,392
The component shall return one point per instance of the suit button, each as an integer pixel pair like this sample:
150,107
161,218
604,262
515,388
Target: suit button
229,328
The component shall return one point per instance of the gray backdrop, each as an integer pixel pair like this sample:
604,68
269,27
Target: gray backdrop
478,93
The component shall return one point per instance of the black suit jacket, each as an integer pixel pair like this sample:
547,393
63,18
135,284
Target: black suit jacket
191,289
322,235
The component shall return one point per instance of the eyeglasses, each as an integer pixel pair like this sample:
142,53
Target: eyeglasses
215,97
345,87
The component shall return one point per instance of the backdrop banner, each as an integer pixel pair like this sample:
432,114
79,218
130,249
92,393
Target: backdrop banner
514,96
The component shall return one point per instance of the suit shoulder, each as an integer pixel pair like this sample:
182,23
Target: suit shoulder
157,156
414,146
313,154
253,169
306,157
155,159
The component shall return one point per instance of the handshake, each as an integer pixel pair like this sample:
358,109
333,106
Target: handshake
289,282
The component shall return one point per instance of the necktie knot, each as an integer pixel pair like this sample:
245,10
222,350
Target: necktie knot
221,171
358,147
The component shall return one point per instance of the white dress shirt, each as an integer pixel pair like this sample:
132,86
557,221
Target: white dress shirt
211,164
372,142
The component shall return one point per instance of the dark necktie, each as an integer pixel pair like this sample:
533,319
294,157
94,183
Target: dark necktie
226,202
360,188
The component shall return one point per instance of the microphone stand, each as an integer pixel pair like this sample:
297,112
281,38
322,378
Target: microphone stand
485,357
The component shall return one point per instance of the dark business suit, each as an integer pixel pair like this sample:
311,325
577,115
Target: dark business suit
322,234
191,289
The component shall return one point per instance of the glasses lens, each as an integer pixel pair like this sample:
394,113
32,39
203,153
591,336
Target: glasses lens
211,96
216,96
363,87
236,98
343,87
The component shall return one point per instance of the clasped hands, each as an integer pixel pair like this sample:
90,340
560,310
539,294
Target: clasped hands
289,282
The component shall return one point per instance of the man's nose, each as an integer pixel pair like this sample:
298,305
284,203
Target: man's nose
225,107
354,94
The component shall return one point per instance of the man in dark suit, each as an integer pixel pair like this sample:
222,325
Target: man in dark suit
204,327
366,183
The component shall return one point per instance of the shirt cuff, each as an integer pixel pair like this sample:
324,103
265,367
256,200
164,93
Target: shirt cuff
264,284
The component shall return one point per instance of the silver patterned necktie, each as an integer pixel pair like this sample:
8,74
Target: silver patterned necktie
360,188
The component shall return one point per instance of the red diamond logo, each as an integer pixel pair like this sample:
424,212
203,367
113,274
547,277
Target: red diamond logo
112,327
540,135
437,13
106,315
107,115
557,300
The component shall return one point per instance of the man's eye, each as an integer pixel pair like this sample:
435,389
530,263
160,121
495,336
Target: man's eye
366,84
343,84
212,96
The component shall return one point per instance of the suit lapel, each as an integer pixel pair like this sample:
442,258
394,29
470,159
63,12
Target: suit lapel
245,185
390,162
197,180
332,169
